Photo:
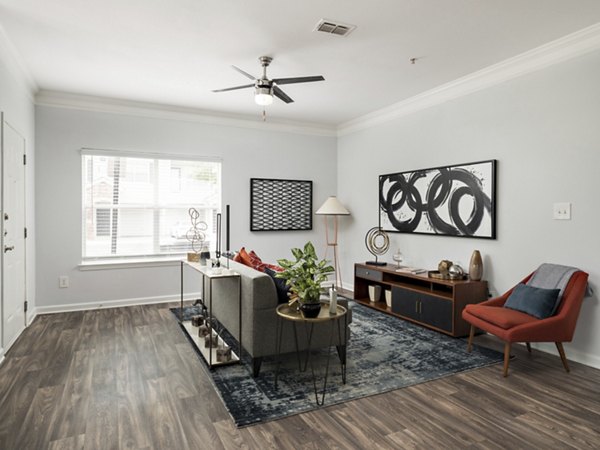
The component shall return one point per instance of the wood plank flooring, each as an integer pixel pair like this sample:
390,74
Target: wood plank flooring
127,378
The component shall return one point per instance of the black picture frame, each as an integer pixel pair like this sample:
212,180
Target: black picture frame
280,205
456,200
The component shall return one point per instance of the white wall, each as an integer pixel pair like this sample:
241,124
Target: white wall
245,153
17,104
543,129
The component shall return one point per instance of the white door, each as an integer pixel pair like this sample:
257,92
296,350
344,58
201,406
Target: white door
13,234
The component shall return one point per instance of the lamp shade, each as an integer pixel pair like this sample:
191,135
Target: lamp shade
332,207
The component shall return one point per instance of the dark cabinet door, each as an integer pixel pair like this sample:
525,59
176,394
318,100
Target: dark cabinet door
405,302
436,312
428,309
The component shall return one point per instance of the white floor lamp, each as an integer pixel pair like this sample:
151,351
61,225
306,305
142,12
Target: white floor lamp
332,207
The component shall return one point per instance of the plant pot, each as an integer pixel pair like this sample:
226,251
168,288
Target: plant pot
310,310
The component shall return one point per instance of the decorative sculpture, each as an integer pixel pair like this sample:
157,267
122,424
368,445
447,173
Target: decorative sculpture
196,235
378,243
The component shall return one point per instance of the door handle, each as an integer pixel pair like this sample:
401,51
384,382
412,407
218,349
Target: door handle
9,249
5,216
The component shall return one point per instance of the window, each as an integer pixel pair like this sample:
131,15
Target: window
138,206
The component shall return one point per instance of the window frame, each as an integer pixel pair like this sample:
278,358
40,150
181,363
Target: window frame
142,260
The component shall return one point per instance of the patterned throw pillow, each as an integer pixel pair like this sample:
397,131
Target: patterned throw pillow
251,259
255,262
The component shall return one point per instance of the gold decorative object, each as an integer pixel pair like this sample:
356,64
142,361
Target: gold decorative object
444,266
193,257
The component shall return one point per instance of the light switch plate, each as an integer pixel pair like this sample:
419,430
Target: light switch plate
562,211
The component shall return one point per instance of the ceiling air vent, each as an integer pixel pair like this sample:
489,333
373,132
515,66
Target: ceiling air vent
332,27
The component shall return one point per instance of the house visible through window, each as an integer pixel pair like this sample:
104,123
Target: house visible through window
138,207
102,222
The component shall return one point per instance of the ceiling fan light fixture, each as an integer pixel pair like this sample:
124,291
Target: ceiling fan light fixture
263,96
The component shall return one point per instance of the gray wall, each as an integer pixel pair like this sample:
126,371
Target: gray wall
543,130
245,153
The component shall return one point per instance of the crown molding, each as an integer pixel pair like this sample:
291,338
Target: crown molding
567,47
16,65
159,111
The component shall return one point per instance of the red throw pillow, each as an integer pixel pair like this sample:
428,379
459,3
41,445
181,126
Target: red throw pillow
237,258
274,267
253,260
256,262
245,257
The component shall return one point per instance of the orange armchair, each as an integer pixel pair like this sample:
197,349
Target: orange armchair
514,326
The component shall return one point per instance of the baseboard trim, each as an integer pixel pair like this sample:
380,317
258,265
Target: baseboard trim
1,356
572,354
31,316
113,303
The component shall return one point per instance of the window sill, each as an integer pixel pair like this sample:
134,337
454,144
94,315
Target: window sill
133,263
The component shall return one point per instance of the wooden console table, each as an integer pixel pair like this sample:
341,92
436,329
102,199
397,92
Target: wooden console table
431,302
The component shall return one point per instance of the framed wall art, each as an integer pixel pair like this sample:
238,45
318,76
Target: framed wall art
458,200
280,205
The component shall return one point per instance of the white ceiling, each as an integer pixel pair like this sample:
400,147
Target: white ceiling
174,52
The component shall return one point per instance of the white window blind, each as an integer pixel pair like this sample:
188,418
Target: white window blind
138,206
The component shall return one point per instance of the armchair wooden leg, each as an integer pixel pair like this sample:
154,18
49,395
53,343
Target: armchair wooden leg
563,357
528,346
471,334
506,357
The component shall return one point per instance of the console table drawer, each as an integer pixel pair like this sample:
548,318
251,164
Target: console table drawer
369,274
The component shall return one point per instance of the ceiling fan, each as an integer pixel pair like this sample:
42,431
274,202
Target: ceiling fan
265,89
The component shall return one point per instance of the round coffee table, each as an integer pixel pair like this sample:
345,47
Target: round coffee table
289,313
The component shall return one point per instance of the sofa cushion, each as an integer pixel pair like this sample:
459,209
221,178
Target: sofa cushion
535,301
504,318
282,289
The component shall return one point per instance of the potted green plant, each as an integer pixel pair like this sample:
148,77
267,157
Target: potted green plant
304,276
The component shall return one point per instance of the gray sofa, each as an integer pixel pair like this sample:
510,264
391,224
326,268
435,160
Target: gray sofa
259,319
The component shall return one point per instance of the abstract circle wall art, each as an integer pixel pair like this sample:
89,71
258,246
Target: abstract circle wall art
457,200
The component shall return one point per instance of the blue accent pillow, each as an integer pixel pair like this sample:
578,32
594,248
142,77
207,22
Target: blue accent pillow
536,302
282,288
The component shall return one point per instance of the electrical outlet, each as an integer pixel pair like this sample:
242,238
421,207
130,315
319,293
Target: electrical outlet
562,211
63,281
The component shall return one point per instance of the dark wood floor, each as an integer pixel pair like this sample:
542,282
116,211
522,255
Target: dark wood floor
127,378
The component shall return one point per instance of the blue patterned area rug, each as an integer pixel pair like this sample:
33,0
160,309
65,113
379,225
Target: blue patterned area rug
384,353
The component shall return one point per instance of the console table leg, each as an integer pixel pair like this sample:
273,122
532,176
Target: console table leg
181,292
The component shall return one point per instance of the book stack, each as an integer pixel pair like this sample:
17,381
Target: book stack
411,270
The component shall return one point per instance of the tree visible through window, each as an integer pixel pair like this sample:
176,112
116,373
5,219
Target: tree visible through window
136,207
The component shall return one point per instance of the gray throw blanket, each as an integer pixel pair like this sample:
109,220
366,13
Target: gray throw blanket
554,276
